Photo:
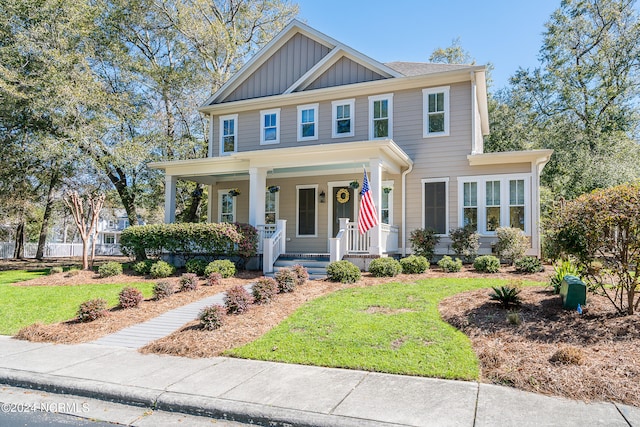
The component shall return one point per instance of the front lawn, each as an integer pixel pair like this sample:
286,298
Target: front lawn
393,328
23,305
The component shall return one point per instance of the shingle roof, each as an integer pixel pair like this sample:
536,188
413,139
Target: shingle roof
421,68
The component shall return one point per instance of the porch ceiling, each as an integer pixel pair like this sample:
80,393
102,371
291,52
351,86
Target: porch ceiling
321,159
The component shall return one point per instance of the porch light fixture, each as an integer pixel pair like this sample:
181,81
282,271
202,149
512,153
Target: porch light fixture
323,196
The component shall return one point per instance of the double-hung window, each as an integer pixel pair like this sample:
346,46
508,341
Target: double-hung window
270,207
343,118
307,122
226,206
270,126
435,111
470,205
386,207
228,134
492,206
435,205
517,203
381,116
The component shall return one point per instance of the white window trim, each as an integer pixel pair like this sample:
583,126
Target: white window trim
446,200
425,111
263,113
220,193
302,187
233,117
389,198
504,200
301,108
277,212
372,99
334,117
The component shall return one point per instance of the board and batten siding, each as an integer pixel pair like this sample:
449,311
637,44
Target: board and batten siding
344,72
282,69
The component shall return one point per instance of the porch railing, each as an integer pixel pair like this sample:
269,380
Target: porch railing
264,232
350,241
274,246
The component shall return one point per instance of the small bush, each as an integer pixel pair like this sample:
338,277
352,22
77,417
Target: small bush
142,268
286,279
528,264
414,264
109,269
508,295
56,270
385,267
343,271
237,300
301,273
92,310
214,279
514,318
568,355
189,282
223,266
424,241
73,272
163,290
448,265
161,269
264,290
196,266
512,243
130,297
212,317
465,242
487,264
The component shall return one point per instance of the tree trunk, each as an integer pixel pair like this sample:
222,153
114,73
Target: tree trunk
85,253
44,230
196,199
18,252
119,180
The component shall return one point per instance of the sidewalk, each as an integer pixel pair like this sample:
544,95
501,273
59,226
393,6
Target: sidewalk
281,394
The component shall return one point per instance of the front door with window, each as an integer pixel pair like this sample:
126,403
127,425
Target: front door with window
343,206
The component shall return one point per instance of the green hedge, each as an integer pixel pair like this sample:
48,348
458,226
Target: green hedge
216,239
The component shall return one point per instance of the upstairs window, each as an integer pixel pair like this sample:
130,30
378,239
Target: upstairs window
343,123
381,116
436,111
307,122
228,134
270,126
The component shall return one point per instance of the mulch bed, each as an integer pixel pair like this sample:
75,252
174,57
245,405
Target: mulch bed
593,356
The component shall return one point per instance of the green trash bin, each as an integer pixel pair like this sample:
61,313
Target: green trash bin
573,292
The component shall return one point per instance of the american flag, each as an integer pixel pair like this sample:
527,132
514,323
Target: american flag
368,217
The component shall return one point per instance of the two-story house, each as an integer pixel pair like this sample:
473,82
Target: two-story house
291,131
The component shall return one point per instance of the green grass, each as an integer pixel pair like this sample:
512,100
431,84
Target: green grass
23,305
341,330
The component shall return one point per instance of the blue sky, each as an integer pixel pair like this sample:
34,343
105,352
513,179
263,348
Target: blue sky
507,33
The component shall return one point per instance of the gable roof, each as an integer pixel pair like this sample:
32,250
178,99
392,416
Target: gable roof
336,51
421,68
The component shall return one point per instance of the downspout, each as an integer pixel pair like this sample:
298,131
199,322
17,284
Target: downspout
404,209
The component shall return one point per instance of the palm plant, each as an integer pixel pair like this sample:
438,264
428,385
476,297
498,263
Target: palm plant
506,295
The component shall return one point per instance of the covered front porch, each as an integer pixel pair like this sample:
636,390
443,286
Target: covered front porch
301,199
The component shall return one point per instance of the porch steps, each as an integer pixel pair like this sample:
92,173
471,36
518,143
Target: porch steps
316,264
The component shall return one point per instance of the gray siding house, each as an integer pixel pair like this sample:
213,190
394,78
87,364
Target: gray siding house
295,126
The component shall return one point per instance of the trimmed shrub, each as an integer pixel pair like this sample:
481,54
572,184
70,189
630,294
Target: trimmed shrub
223,266
142,268
109,269
130,297
528,264
56,270
214,279
188,282
448,265
264,290
212,317
237,300
385,267
163,290
507,295
196,266
73,271
487,264
414,264
512,243
161,269
465,242
286,279
301,273
343,271
92,310
423,242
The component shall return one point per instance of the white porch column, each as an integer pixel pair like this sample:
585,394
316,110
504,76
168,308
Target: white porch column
210,203
170,198
210,150
257,188
375,183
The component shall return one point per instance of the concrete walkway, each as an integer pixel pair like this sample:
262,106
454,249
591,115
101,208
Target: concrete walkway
282,394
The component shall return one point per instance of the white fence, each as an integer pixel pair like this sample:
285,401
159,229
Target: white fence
58,250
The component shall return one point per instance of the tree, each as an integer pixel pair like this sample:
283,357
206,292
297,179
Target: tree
85,211
454,54
602,229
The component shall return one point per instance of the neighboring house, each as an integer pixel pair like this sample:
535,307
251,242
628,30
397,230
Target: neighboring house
110,225
308,112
